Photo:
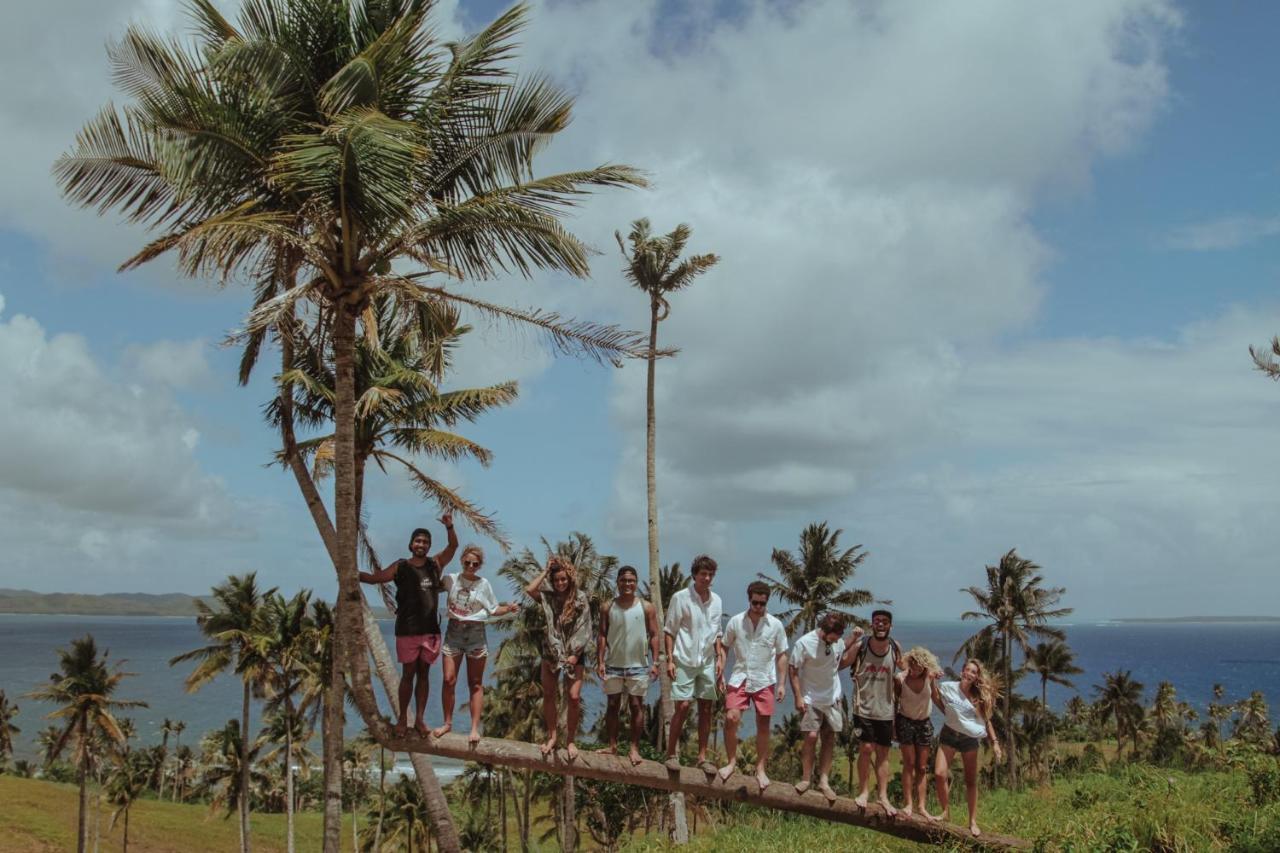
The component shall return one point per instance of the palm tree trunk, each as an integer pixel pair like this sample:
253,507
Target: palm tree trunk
126,830
244,771
82,774
679,825
524,818
288,772
1012,758
382,795
331,736
502,806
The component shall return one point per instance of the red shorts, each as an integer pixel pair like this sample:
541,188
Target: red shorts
417,647
738,699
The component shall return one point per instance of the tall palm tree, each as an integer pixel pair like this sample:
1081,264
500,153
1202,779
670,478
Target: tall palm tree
653,265
283,640
8,711
1017,607
233,626
815,582
1253,719
1119,699
406,820
1165,710
84,688
166,729
1051,661
333,152
225,758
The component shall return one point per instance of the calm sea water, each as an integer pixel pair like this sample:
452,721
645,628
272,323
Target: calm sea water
1241,657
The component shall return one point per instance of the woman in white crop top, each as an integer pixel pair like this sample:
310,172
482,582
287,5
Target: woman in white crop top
913,727
967,704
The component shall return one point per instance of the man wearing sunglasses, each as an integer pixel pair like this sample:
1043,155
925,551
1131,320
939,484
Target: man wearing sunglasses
816,661
759,645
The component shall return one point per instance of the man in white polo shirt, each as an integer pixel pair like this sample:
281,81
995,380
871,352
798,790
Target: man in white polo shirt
759,645
692,633
816,661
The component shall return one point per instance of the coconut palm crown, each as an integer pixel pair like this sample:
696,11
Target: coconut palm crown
814,582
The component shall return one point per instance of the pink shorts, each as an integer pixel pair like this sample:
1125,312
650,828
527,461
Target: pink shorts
417,647
738,699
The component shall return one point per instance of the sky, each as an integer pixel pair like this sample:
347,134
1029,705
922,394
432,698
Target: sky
990,272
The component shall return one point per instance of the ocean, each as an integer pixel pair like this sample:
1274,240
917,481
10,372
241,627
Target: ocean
1242,657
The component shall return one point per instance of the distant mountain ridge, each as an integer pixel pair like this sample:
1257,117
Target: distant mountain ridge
108,604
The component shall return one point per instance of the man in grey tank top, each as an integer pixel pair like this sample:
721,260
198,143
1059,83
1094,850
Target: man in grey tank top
628,629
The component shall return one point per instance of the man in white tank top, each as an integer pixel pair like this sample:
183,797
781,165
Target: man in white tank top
628,629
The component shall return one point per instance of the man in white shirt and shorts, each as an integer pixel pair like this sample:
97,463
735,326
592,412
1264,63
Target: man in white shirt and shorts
816,661
759,645
692,635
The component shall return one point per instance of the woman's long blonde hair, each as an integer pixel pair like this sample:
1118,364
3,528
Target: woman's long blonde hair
924,659
569,607
985,687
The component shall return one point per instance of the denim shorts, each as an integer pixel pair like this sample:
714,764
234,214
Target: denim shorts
465,638
960,743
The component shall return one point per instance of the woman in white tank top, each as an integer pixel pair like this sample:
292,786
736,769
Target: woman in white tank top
913,727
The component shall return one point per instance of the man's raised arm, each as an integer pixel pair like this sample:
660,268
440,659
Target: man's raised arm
446,554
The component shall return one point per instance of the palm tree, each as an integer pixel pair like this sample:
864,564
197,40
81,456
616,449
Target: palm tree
177,727
233,627
406,818
671,580
229,773
184,767
8,711
814,583
1017,607
333,153
1165,710
653,265
166,729
283,641
131,776
1051,661
83,688
1119,698
1253,720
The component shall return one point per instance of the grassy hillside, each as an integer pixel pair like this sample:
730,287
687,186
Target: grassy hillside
40,817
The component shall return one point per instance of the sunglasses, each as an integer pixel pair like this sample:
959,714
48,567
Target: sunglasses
471,563
759,603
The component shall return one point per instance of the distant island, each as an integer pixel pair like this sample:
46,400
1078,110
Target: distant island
108,604
1207,620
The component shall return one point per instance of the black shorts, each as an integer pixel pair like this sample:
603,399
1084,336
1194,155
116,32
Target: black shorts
914,732
879,732
960,743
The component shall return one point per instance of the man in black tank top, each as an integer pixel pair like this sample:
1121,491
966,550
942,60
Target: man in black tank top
418,588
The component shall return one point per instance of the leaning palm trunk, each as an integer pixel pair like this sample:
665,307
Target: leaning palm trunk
350,598
244,771
432,794
331,735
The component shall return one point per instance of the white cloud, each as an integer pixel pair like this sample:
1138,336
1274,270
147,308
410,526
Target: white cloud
173,364
1228,232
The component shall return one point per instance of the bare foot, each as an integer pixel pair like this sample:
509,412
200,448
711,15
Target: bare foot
929,817
572,750
888,807
827,792
802,787
608,750
673,764
421,728
400,729
861,801
725,772
473,738
945,817
635,757
973,829
762,780
548,746
441,731
907,811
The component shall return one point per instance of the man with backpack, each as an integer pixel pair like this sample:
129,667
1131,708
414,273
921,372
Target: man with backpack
877,660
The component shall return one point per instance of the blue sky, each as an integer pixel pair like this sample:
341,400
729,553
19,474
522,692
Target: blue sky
990,275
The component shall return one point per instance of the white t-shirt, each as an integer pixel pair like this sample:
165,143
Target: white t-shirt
469,601
818,664
694,624
755,650
961,714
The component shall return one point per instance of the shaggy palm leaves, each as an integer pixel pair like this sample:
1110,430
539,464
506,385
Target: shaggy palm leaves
1051,661
84,689
128,780
671,579
226,778
8,711
814,582
1017,606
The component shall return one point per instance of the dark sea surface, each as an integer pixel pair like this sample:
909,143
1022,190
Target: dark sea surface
1194,656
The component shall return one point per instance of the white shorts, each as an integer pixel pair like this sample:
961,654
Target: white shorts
632,680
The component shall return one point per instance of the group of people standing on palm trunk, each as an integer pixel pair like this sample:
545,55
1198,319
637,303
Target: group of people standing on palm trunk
746,663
